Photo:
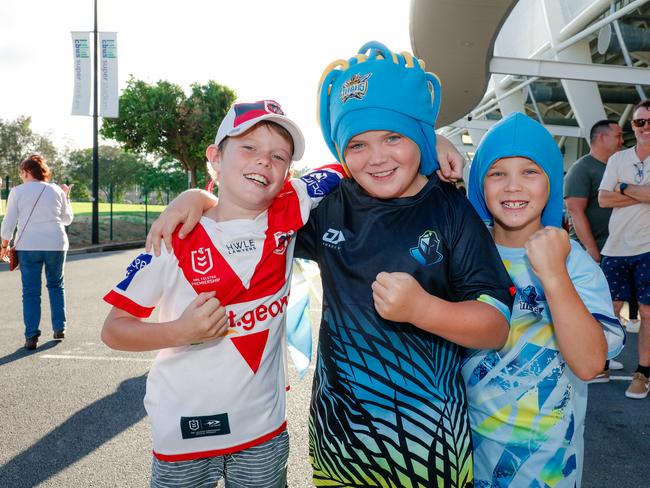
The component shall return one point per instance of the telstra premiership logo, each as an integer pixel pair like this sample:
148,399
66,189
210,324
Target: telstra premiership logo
202,260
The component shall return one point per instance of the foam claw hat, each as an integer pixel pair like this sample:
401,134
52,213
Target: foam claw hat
379,90
517,135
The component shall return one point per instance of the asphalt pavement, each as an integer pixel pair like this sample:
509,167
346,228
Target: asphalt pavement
71,413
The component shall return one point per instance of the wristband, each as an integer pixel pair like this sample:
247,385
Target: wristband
622,188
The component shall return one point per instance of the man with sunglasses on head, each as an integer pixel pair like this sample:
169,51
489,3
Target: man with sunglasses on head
625,188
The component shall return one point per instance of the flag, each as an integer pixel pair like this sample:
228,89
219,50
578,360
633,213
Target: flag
299,326
109,100
81,56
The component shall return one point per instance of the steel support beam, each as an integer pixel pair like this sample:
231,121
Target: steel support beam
484,125
602,73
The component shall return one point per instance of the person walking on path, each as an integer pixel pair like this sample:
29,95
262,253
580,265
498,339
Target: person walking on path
40,210
626,256
590,221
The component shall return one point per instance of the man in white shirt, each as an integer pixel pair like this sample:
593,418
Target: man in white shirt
626,256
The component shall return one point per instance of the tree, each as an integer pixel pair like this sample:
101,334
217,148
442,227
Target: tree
165,177
18,141
116,167
160,119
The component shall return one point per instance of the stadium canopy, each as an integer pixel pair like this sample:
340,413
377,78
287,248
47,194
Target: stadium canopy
565,63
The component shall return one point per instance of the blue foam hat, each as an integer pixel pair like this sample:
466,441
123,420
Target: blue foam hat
379,90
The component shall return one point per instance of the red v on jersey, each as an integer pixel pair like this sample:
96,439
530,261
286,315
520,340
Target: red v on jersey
251,347
206,269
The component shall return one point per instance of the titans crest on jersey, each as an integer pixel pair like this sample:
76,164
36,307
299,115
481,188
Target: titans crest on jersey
388,404
527,408
228,394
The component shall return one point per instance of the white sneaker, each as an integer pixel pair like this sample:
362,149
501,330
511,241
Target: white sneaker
615,365
633,326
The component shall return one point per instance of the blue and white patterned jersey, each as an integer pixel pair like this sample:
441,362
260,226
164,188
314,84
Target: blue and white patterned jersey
526,406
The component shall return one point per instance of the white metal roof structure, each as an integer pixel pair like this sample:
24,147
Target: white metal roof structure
567,63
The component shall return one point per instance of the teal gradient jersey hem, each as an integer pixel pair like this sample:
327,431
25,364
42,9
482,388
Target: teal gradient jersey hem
500,306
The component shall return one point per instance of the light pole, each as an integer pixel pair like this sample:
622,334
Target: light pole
95,209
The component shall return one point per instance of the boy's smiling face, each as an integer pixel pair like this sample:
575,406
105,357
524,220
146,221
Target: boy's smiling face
516,191
385,164
252,169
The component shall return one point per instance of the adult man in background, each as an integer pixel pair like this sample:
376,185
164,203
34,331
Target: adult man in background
626,255
590,221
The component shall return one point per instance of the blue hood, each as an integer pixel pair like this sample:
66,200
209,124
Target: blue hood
518,135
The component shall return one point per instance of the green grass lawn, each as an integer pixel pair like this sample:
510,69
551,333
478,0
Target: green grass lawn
85,208
129,222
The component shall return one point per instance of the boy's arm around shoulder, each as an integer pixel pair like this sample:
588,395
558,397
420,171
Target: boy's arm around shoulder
317,183
204,319
471,323
579,335
186,209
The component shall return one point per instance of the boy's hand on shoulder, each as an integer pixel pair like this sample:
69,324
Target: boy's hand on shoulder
185,209
395,296
547,251
204,319
450,160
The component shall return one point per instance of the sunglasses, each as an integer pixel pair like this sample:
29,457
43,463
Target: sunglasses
640,122
639,173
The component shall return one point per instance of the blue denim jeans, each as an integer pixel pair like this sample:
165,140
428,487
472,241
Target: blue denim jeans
31,269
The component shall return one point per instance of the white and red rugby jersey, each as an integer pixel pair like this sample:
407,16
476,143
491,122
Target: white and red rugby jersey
228,394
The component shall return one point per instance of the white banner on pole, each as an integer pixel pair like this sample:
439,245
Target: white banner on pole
109,100
81,53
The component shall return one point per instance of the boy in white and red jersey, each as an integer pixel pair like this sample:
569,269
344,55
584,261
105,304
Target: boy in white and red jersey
216,391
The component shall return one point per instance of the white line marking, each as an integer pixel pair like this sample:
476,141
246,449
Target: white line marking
621,378
95,358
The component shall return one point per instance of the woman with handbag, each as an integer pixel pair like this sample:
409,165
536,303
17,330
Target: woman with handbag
40,210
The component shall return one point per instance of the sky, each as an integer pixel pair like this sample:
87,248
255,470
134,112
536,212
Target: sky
262,49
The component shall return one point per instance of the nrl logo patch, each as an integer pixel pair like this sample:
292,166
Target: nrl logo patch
355,87
202,260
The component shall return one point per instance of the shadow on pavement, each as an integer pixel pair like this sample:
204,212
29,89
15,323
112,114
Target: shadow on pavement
23,353
78,436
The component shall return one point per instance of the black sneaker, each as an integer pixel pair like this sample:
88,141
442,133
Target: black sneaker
58,335
30,344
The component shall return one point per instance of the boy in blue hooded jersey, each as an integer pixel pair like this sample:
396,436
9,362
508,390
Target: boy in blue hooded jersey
528,399
410,275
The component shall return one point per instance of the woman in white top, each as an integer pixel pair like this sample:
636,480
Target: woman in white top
40,210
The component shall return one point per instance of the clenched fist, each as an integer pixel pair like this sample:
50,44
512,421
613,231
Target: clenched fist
203,319
396,296
547,250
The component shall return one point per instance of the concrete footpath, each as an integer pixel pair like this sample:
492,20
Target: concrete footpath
71,413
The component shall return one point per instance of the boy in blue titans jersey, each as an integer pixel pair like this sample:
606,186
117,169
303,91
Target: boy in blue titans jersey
410,276
527,400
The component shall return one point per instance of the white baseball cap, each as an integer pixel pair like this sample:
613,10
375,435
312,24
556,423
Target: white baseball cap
242,116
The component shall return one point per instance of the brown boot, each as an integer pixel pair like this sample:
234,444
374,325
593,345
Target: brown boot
58,335
30,344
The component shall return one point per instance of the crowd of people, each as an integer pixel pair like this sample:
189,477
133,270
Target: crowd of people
607,194
458,332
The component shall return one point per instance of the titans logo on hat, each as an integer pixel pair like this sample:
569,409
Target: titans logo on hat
355,87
